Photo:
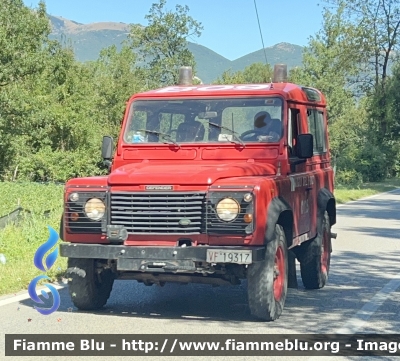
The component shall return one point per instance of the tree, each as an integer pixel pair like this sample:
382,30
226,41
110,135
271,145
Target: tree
253,74
390,143
116,79
330,65
55,133
230,77
162,45
22,35
378,24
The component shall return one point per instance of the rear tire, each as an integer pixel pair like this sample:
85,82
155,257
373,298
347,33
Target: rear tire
267,280
87,291
315,257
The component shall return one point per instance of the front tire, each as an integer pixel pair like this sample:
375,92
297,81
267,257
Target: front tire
88,290
315,257
267,280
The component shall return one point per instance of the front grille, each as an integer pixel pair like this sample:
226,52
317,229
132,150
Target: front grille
159,212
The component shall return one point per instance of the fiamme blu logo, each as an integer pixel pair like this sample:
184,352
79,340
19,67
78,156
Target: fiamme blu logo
38,262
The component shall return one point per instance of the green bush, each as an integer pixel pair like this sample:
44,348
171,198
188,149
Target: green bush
372,164
57,166
348,178
19,242
362,163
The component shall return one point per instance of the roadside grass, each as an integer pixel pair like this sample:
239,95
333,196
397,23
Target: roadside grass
344,194
19,242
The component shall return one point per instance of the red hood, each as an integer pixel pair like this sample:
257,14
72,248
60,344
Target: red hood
199,174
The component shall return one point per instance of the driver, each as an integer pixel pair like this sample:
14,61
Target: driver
264,124
261,119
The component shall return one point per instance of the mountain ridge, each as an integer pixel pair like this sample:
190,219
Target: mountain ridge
88,39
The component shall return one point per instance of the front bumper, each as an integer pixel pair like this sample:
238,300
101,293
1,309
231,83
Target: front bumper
151,259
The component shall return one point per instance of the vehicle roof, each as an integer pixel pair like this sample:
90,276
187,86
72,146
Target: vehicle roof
289,91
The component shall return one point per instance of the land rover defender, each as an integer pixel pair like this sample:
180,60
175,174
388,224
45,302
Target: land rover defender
211,184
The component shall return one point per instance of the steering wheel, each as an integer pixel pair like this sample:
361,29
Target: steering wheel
252,134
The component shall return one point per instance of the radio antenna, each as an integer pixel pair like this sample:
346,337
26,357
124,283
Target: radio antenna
259,26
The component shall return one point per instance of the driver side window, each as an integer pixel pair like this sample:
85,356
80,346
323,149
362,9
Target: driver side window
254,123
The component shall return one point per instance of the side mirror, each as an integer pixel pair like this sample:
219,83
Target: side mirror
107,148
107,151
305,146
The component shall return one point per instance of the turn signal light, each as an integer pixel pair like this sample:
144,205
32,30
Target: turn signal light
74,216
248,197
248,218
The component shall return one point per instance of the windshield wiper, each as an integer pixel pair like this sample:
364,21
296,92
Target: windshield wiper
164,135
238,140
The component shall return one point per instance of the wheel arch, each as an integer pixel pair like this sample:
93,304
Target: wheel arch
325,202
279,212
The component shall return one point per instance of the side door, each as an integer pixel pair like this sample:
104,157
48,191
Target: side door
319,165
301,181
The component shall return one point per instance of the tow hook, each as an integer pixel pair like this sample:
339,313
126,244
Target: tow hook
333,235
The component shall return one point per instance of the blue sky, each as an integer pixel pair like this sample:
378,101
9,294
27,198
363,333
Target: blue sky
230,26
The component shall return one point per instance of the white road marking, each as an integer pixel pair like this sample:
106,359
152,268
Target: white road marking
25,296
358,321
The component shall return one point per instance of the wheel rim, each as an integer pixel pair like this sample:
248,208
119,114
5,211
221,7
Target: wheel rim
325,253
279,273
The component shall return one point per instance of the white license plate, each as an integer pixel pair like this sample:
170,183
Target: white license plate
229,256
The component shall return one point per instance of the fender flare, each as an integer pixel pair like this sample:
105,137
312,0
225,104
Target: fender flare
279,211
325,202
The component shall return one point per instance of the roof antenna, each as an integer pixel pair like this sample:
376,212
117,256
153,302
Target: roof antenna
262,40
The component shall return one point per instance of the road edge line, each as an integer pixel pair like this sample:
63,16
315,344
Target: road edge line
12,299
366,198
362,316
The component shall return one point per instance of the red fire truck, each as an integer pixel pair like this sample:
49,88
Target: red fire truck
211,184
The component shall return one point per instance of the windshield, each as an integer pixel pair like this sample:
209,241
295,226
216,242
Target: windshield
236,120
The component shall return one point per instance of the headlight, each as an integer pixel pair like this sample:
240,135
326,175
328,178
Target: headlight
228,209
95,209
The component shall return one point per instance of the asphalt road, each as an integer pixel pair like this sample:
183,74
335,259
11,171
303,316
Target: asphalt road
363,295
